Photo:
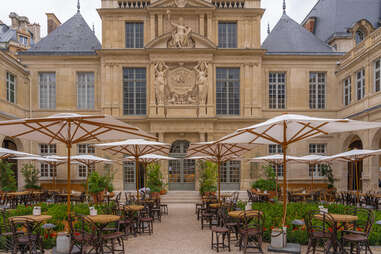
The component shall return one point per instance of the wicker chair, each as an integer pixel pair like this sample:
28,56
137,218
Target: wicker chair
320,228
357,236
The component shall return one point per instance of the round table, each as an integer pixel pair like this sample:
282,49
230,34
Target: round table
339,218
103,218
37,218
18,193
240,214
134,207
215,205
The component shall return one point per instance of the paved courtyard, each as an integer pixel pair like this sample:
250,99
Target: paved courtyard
179,232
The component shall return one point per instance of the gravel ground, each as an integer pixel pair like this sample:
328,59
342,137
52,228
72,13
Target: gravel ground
180,232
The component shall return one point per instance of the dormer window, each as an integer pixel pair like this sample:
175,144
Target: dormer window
359,36
23,40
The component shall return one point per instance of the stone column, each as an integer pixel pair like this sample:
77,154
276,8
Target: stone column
211,90
201,25
152,27
160,24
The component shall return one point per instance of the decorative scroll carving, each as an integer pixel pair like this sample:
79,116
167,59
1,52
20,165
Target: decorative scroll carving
202,81
181,3
180,35
182,86
160,80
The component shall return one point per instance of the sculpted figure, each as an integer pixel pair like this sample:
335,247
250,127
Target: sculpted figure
202,81
180,35
160,80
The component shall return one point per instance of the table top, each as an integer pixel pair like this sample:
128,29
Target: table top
37,218
240,214
262,194
215,205
339,217
18,193
226,195
103,218
134,207
301,194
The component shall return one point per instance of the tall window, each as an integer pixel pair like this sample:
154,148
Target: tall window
227,34
228,91
377,75
134,34
47,90
47,170
11,88
85,90
83,170
360,84
317,90
276,149
347,91
231,172
134,91
317,170
129,174
277,90
23,40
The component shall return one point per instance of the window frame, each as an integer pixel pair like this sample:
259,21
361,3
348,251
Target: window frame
377,70
228,106
314,102
277,84
49,149
361,81
8,81
142,111
227,44
135,39
87,88
320,149
347,91
82,170
278,168
50,105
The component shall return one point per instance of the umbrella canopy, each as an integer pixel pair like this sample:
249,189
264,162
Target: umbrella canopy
37,158
218,153
136,148
149,158
6,153
70,129
288,129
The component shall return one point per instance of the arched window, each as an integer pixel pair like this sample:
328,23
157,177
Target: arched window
359,36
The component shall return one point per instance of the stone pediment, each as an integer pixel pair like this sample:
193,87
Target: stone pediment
182,4
198,41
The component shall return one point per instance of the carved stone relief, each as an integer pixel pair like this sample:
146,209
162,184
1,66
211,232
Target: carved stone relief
160,79
202,81
180,35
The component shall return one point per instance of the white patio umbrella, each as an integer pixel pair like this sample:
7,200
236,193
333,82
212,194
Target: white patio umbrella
218,153
311,160
149,158
354,156
70,129
287,129
6,153
275,159
136,148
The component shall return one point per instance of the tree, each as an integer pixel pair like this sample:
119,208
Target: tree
7,177
31,176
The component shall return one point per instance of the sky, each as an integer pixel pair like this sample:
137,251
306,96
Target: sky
64,9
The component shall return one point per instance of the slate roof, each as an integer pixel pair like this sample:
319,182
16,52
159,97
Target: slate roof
335,17
74,37
7,34
288,37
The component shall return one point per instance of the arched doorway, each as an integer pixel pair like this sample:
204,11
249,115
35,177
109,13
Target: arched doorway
181,172
353,182
10,144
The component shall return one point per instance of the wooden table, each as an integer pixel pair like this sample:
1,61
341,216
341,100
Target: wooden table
37,218
240,214
134,207
302,194
18,193
215,205
103,218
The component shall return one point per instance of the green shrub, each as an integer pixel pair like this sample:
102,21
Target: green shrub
268,184
7,177
208,177
97,183
154,178
31,175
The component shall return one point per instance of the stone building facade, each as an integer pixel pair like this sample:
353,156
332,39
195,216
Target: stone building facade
195,70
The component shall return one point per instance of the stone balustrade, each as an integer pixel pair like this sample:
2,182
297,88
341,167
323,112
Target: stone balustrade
223,4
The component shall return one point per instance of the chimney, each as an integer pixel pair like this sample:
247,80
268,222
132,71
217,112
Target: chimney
53,22
14,20
310,25
36,31
24,22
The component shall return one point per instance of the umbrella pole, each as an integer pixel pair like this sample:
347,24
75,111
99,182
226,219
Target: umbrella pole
68,179
357,182
284,148
276,183
219,180
137,176
312,179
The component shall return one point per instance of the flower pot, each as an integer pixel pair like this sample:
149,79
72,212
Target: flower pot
155,195
98,197
163,192
279,237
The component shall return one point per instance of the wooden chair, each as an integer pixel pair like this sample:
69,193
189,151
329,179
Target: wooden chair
252,231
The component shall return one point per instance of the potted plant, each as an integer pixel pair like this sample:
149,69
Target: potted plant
97,186
154,180
31,175
268,184
7,177
208,178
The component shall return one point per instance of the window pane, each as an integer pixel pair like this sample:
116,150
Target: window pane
11,88
360,84
134,34
377,75
277,90
47,90
129,172
85,90
231,172
227,35
347,91
228,91
134,91
317,90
